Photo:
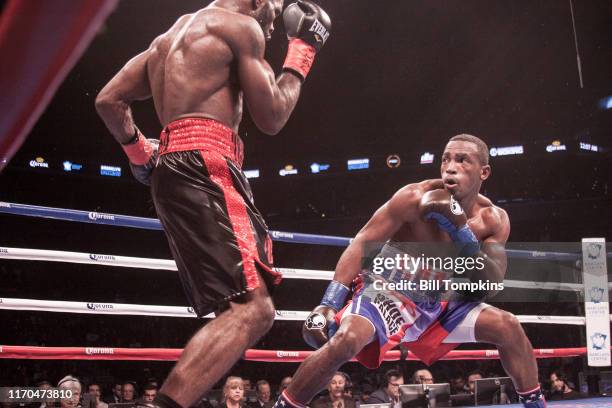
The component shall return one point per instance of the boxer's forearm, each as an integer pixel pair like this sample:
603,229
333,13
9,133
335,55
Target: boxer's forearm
289,88
350,263
495,263
117,117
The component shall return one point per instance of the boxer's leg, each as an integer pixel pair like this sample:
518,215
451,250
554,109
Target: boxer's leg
215,348
503,329
316,371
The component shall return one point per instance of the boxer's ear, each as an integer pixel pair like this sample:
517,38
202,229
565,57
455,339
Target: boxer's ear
485,172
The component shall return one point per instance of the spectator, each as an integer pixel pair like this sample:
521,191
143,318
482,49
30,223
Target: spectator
246,383
472,377
72,387
233,393
389,393
149,392
284,384
336,398
458,385
94,390
366,391
48,403
115,396
422,376
128,392
264,393
560,388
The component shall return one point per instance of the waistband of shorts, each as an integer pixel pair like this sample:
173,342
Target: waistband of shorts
201,134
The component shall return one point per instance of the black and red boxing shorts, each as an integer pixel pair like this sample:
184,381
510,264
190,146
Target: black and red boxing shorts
218,238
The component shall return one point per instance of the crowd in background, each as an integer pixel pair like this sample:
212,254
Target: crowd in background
343,391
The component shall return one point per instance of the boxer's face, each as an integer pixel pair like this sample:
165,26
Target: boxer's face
462,170
265,13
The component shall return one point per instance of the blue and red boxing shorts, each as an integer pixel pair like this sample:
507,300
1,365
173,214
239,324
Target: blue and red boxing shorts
217,236
428,329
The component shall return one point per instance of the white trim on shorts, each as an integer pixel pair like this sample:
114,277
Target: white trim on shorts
348,312
464,332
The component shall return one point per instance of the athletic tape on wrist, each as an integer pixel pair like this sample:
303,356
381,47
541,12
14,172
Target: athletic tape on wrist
335,295
300,57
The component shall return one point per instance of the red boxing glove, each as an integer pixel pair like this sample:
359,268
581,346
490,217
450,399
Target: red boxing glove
300,57
140,150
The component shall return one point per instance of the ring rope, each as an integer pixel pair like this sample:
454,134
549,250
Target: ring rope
60,306
167,354
94,217
170,265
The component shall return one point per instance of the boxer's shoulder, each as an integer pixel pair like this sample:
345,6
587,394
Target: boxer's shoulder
493,217
406,200
414,191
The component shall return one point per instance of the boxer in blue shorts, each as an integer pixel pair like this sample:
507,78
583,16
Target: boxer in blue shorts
376,319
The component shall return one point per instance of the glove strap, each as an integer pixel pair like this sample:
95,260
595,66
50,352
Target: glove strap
466,241
300,57
335,295
139,150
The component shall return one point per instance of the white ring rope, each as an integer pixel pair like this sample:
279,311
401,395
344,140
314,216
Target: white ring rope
170,265
184,311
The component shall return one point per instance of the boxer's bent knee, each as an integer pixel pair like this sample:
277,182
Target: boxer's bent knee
261,312
509,326
346,343
498,327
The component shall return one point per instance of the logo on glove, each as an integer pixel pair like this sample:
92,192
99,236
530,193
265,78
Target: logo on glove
315,321
321,33
455,207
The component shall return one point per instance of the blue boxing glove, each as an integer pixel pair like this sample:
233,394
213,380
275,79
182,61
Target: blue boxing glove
440,206
321,325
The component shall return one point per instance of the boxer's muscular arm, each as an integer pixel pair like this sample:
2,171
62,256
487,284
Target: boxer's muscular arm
386,221
496,220
270,99
113,101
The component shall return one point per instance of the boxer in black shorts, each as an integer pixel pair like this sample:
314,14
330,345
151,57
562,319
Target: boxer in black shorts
198,74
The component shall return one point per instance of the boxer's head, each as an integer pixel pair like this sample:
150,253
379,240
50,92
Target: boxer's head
265,12
465,165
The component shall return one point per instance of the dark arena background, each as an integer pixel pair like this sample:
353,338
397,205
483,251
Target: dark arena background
395,81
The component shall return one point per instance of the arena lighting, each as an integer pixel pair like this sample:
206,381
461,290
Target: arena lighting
358,164
427,158
39,162
555,146
70,166
318,167
589,147
288,170
113,171
605,103
393,161
252,174
506,150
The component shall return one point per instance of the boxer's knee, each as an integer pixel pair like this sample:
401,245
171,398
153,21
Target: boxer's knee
261,312
510,327
345,344
498,327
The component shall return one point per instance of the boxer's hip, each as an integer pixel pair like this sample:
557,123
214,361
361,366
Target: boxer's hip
201,134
